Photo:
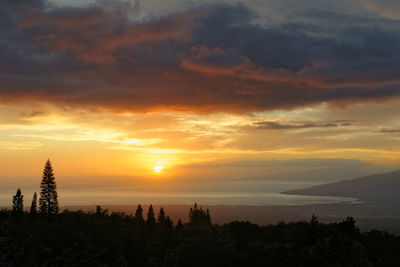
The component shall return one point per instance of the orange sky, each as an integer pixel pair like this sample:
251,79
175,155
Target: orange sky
129,144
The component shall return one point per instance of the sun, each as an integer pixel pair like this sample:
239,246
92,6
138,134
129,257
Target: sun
158,168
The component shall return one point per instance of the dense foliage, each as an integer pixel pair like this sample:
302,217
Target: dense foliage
117,239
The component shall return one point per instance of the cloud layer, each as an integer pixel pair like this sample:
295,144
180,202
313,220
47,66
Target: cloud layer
212,57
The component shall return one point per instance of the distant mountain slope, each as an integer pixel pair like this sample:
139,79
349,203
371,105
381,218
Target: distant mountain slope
383,187
321,174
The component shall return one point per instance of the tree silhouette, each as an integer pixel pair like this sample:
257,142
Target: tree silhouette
313,227
168,223
48,202
161,216
18,202
33,210
179,225
151,219
348,226
139,214
197,216
208,217
100,211
314,220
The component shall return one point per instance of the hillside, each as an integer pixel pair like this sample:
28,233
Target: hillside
320,174
374,188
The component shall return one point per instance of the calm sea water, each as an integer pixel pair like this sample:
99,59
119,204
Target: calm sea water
221,193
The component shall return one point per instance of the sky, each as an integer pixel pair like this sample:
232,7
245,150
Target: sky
170,90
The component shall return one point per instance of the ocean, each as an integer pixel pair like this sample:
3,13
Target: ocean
255,193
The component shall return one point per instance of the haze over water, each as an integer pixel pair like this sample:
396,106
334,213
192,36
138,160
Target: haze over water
228,193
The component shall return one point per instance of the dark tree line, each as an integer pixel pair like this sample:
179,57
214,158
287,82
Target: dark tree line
101,238
48,202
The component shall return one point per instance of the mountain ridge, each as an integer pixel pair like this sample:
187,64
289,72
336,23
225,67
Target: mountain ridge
372,188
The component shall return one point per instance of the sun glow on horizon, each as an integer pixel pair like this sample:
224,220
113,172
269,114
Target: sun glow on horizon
158,168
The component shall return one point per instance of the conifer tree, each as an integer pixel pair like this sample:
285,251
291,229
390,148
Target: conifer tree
151,219
100,211
33,210
139,214
161,216
179,225
168,223
18,202
48,202
197,216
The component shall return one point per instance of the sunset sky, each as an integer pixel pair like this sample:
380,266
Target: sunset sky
178,89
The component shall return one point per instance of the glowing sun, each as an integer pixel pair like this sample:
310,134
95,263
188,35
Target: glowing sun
158,168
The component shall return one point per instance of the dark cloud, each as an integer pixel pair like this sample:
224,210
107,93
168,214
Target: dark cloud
33,114
303,163
390,131
214,58
274,125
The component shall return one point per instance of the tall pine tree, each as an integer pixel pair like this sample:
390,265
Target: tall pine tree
18,202
139,214
33,210
151,219
161,216
48,202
